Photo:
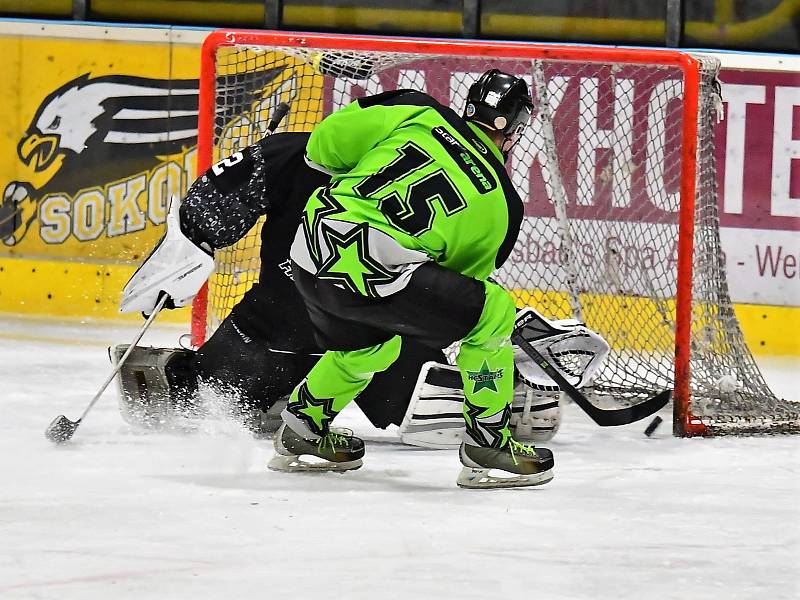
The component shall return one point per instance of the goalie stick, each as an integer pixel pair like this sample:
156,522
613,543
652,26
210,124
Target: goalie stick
603,417
280,112
61,429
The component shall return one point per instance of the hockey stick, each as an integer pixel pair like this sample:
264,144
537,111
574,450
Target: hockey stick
603,417
61,428
277,117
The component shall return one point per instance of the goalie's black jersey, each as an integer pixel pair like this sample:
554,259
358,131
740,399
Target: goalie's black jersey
269,178
272,178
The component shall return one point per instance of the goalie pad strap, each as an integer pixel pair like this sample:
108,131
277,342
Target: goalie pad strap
535,408
446,378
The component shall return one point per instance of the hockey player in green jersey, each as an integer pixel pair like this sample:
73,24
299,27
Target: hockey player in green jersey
419,212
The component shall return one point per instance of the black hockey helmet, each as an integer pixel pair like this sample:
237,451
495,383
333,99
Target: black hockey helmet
500,102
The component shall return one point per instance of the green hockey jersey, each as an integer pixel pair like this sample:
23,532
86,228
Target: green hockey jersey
412,182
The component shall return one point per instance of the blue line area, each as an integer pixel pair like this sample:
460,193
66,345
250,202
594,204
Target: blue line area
441,39
105,24
635,47
629,47
746,52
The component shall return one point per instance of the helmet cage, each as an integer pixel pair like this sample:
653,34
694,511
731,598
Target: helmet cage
514,132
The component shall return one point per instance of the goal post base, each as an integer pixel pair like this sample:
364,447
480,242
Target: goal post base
689,426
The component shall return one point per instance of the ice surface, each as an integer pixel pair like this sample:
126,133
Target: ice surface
118,513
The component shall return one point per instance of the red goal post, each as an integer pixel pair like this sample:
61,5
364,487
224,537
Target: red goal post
595,86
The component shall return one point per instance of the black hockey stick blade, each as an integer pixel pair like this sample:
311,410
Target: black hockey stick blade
61,429
603,417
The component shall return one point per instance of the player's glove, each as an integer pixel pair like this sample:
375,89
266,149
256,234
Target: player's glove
176,267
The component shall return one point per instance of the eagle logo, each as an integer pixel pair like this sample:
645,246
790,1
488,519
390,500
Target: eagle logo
95,130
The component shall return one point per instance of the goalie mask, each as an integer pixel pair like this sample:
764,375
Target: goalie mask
575,350
500,102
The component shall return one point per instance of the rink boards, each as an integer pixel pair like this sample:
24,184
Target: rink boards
91,213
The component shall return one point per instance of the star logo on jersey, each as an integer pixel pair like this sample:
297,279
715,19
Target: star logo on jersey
491,430
350,263
320,204
485,378
317,413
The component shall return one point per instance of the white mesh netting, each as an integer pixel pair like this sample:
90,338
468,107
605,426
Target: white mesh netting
599,170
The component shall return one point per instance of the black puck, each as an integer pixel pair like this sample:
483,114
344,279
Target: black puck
653,426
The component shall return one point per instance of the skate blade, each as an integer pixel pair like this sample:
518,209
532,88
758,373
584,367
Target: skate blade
296,464
477,479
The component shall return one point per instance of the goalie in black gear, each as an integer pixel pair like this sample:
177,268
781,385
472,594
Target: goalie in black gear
265,346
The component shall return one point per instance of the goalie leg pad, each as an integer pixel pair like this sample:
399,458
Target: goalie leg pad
156,385
434,418
535,413
435,414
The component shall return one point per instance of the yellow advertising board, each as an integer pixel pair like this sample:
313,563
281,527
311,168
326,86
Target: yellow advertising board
99,131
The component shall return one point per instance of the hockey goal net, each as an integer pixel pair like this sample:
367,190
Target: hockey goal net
617,171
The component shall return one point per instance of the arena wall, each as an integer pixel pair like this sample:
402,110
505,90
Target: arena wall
100,130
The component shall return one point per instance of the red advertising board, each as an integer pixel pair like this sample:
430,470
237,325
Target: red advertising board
758,157
612,166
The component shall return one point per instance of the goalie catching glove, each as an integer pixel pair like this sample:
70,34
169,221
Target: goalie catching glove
176,267
573,349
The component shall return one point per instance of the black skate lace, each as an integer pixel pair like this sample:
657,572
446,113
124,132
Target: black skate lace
516,447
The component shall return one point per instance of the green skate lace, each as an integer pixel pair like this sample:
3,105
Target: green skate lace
332,439
516,447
